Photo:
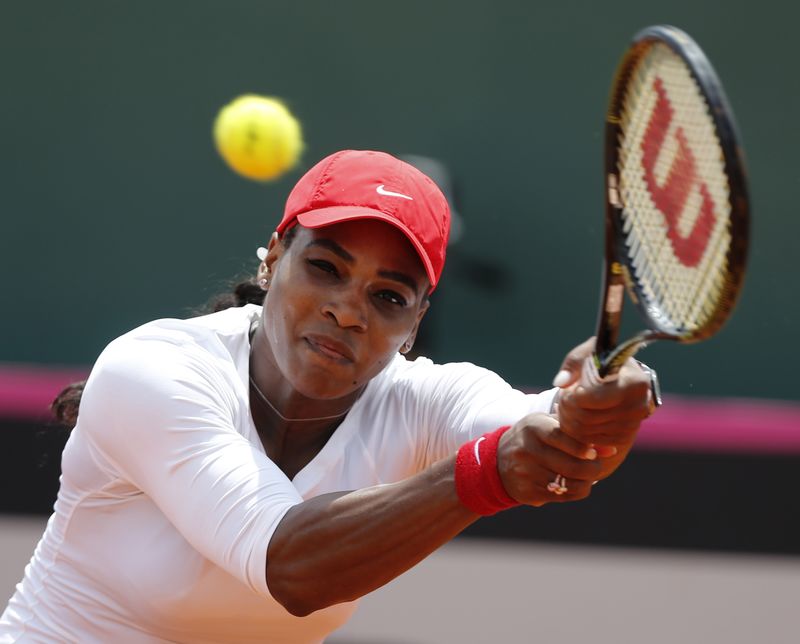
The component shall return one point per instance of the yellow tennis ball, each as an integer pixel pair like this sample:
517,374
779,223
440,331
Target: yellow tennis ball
258,137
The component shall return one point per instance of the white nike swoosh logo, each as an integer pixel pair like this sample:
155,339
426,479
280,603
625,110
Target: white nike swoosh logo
477,453
381,190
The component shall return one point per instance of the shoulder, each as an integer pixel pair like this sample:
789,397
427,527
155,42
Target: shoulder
425,370
164,357
205,330
423,377
215,335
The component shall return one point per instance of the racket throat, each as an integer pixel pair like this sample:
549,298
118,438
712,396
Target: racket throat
612,362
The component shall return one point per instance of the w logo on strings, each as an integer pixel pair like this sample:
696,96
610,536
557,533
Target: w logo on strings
672,194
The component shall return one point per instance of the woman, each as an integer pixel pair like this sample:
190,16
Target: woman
244,476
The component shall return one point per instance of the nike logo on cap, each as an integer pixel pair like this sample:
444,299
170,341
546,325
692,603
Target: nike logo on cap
381,190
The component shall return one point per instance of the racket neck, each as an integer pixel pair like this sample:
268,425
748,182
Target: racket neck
612,292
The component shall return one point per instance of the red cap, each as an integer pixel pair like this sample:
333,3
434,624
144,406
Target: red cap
363,184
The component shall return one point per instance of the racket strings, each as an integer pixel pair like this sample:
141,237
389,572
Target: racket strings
676,214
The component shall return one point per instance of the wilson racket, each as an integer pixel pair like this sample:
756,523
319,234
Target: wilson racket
676,199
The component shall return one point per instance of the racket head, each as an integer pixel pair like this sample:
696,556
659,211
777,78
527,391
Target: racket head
677,207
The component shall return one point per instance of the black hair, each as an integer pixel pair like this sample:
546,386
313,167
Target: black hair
65,406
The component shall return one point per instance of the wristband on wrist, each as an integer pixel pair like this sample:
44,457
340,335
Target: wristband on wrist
478,482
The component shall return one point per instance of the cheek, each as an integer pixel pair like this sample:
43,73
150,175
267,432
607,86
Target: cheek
280,319
383,347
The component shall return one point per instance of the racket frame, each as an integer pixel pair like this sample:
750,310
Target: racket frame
617,279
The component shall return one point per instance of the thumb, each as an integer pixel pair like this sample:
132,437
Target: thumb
570,370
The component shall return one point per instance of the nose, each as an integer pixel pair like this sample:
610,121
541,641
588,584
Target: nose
347,310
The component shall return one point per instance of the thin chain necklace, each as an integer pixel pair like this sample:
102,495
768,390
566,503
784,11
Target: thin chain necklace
292,420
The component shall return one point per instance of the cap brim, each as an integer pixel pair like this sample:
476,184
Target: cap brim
339,214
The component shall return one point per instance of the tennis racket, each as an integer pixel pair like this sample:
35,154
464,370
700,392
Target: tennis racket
677,211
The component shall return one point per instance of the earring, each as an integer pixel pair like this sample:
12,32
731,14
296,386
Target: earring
263,283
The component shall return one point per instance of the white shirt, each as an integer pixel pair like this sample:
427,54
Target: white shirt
168,500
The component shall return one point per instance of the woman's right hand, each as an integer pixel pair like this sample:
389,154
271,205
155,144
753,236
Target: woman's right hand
534,452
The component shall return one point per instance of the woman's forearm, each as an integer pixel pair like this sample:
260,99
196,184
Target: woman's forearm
338,547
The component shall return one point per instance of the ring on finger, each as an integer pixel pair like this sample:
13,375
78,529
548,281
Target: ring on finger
558,485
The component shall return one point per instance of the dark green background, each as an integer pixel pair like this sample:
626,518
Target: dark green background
116,208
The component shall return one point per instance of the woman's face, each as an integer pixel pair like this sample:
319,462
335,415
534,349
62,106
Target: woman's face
342,300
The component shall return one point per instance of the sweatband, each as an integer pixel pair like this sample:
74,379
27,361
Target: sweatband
478,483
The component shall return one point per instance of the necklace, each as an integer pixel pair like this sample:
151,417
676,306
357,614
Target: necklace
293,420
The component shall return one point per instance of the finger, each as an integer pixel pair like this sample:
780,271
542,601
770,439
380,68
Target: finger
563,489
601,394
616,433
628,411
606,451
634,389
553,459
570,370
569,445
552,487
617,429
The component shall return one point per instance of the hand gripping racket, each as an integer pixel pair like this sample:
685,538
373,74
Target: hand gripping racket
676,199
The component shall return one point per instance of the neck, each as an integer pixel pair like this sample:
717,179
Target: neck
289,444
302,419
293,428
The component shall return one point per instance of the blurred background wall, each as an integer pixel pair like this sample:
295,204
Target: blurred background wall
117,210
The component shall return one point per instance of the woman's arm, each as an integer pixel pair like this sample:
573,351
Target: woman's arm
338,547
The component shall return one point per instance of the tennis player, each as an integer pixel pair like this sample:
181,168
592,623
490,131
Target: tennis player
247,475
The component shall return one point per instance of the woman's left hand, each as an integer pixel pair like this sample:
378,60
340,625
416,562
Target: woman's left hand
607,415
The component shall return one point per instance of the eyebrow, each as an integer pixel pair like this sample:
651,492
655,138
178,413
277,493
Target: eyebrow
397,276
400,277
333,247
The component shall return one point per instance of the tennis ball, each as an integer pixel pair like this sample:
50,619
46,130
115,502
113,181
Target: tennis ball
258,137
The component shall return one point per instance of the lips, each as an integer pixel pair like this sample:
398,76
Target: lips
330,348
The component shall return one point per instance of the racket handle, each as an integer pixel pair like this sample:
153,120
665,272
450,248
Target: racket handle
612,362
590,376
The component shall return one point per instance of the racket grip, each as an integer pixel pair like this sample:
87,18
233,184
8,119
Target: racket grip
590,376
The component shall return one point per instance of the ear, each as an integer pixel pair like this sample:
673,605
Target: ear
409,343
274,251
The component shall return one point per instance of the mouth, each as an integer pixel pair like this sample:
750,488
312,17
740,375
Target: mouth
330,348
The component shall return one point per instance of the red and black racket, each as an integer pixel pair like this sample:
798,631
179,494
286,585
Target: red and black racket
676,199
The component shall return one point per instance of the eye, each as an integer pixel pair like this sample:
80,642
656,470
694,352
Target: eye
392,297
324,266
